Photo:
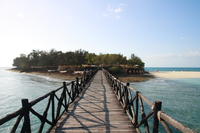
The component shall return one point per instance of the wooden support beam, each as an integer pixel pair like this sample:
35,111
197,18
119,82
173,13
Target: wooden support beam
157,108
26,125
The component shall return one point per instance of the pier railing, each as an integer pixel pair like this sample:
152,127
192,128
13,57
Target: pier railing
56,103
141,111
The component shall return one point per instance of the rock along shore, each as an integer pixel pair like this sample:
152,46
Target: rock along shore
72,76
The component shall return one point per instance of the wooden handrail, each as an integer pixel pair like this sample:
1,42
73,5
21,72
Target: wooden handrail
131,100
70,92
164,117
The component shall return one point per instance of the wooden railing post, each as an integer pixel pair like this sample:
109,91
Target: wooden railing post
157,108
64,96
73,91
53,107
136,109
84,73
118,87
129,103
126,95
120,94
77,86
26,126
82,84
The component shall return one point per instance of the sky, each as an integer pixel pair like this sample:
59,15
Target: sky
163,33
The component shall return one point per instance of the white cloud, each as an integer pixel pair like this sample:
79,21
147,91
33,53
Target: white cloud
113,12
118,10
109,8
20,15
193,54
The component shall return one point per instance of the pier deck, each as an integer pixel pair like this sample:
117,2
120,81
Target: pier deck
97,110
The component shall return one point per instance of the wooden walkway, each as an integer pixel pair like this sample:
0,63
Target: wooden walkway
97,110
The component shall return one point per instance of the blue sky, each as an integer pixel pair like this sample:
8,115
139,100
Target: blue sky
163,33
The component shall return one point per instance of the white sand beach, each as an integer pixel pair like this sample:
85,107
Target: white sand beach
179,74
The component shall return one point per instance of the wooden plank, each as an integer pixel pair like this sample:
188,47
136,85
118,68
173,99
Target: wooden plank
97,110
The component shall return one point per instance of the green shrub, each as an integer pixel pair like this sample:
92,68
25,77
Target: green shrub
115,70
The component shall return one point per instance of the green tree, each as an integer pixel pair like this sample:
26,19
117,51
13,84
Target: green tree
115,70
91,57
112,59
34,58
44,59
16,62
98,60
116,59
21,61
104,59
135,61
69,58
123,61
80,57
139,62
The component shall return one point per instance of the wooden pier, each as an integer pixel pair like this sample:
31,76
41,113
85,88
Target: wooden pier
97,110
96,102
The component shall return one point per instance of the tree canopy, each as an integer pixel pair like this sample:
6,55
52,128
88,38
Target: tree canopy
77,58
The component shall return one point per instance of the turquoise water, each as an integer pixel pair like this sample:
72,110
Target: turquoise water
151,69
16,86
180,97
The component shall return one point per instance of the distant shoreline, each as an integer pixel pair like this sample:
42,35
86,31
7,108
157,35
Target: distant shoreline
134,77
56,75
67,76
176,74
121,77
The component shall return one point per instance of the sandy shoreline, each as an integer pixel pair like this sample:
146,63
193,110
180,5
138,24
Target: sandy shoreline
61,76
55,75
71,77
182,74
126,77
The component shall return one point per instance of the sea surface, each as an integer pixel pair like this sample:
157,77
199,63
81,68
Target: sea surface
15,86
180,97
151,69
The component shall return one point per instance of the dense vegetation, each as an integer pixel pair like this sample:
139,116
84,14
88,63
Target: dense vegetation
77,58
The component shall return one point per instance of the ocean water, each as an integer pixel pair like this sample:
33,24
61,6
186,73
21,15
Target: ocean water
151,69
16,86
180,97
